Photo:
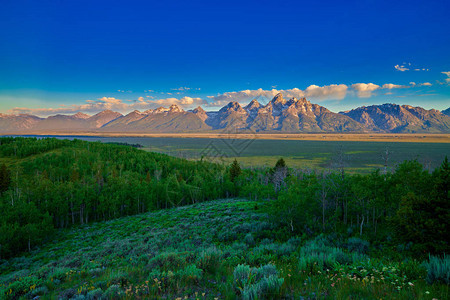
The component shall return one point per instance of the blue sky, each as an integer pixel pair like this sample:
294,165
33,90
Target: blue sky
65,56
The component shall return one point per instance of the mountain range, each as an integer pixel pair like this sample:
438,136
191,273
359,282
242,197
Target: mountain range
279,115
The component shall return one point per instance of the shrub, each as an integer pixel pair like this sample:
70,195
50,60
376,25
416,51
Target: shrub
95,294
438,269
67,294
39,291
114,292
118,278
265,271
257,283
96,272
266,241
167,261
295,241
412,269
209,260
226,235
237,246
317,255
285,249
266,288
249,240
358,245
241,276
243,228
20,287
190,275
59,273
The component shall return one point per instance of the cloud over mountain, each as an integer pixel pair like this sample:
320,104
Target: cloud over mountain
278,115
111,103
364,90
314,92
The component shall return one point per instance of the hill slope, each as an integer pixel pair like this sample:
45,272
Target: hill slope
201,251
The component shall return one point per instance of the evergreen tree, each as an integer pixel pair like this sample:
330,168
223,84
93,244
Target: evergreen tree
235,170
441,179
279,173
280,164
5,179
423,218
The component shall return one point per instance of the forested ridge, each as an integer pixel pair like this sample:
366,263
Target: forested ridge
59,183
51,183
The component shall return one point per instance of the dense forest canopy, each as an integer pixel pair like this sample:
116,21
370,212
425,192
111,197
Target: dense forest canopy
46,184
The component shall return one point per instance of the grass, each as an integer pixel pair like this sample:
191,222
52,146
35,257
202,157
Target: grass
223,249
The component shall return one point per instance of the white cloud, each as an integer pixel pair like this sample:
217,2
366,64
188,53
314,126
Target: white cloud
315,92
111,103
364,90
242,96
185,102
391,86
183,88
408,66
448,76
333,91
401,68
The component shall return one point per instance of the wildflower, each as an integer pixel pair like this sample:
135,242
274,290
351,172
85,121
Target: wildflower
410,283
332,285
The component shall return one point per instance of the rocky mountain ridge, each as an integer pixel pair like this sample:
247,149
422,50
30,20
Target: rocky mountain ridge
279,115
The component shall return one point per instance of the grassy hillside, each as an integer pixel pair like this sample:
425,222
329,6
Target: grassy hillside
215,250
83,220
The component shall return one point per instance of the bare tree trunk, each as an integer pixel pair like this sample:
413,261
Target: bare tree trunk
72,212
361,227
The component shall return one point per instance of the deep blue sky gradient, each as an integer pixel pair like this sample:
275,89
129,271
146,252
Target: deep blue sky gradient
66,52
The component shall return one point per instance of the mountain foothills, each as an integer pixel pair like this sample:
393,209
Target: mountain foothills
279,115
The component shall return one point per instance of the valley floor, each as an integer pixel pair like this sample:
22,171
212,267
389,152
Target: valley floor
368,137
222,249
